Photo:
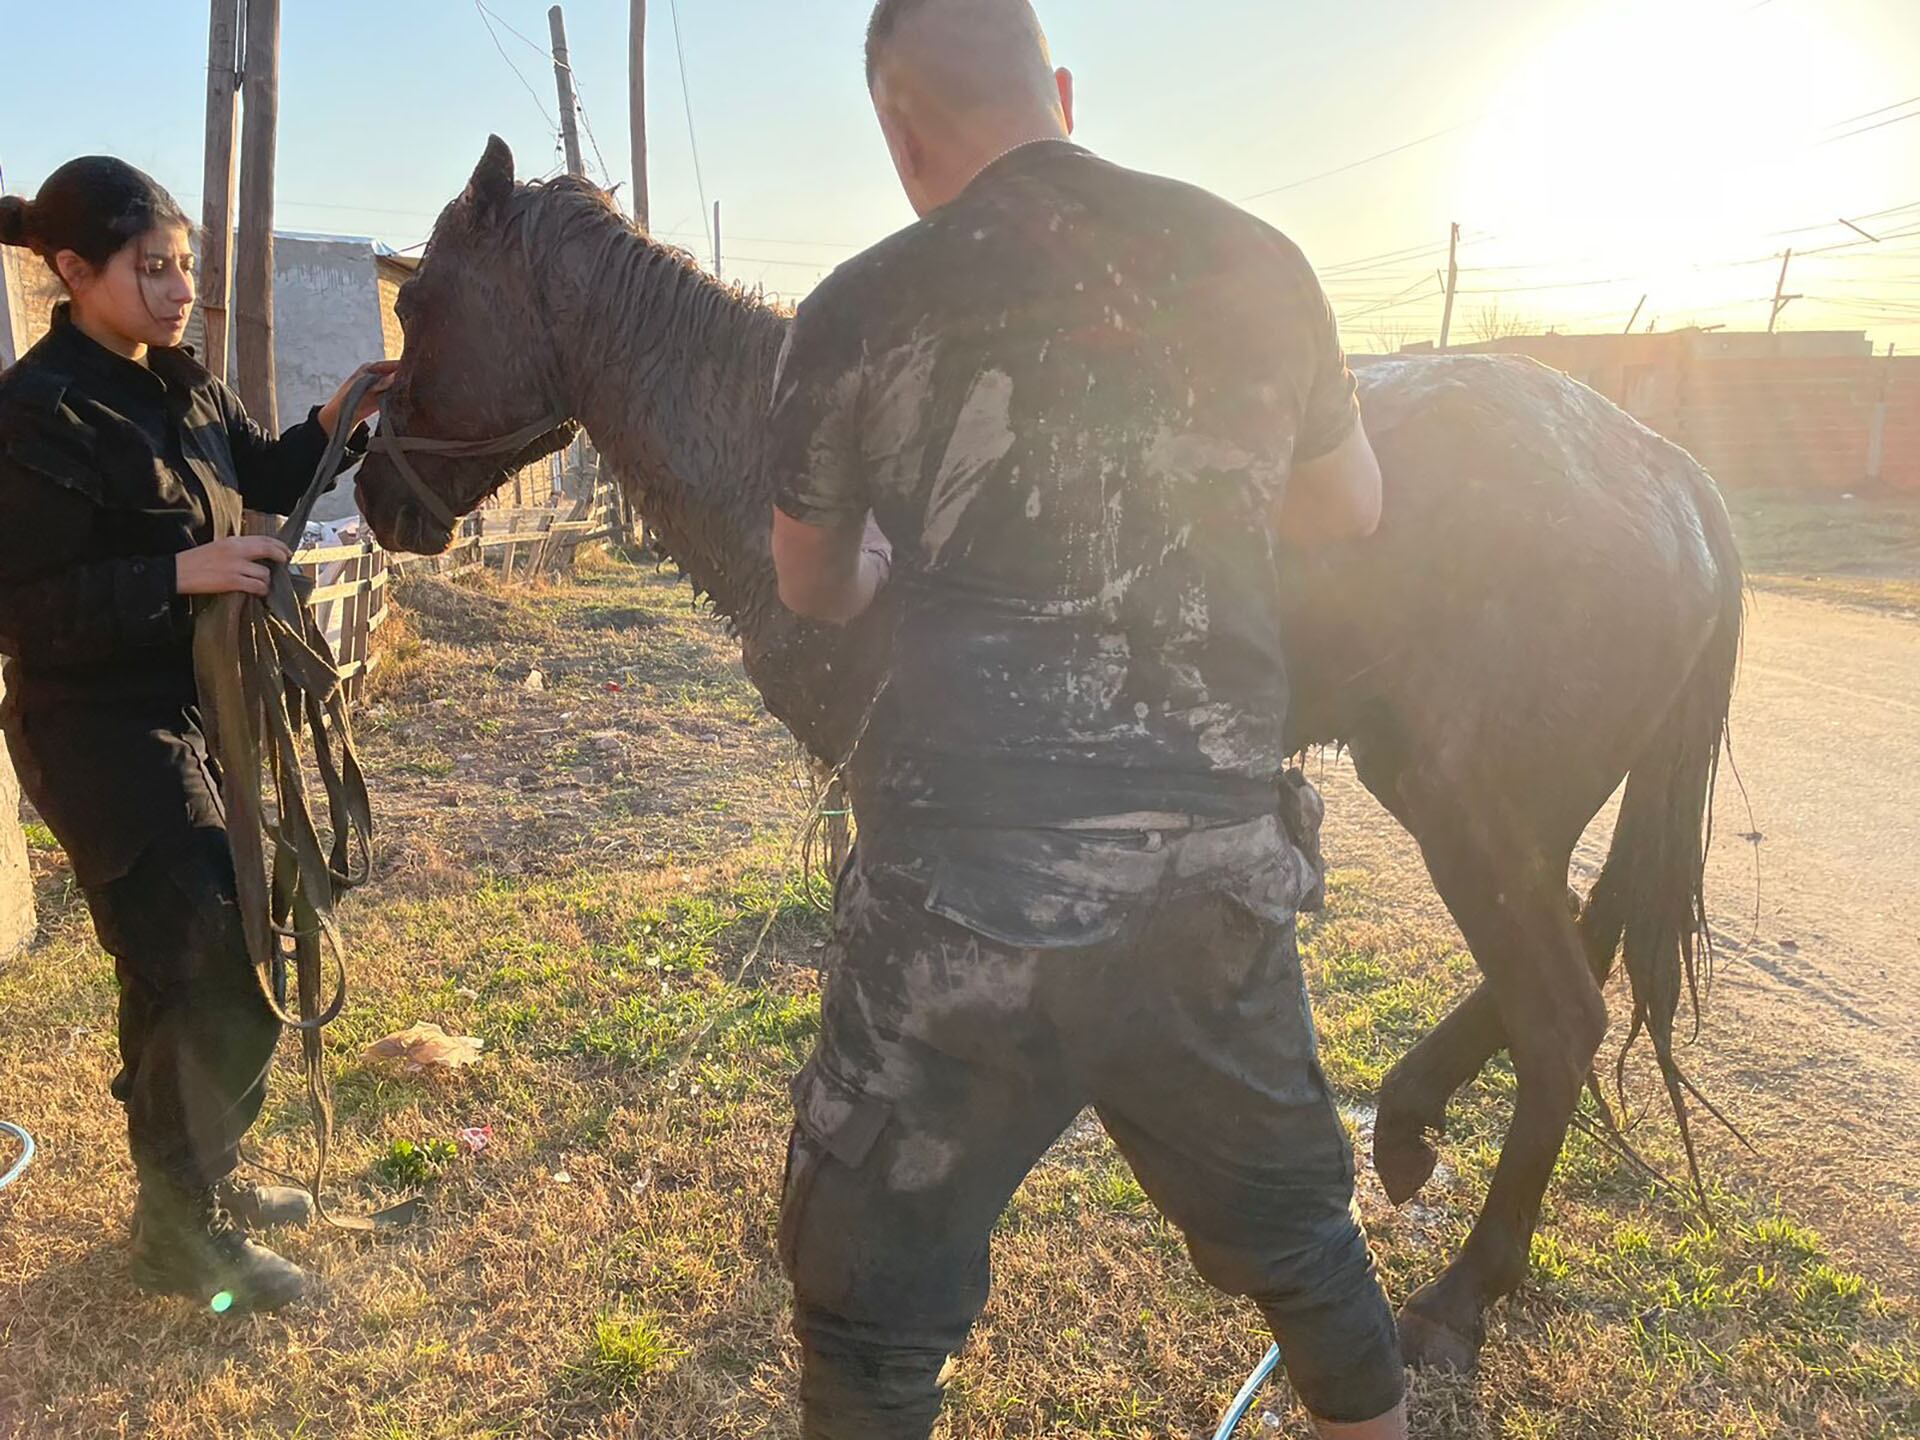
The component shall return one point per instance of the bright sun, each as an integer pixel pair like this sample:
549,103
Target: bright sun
1659,140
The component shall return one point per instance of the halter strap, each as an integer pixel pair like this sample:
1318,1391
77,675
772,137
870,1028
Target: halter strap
395,448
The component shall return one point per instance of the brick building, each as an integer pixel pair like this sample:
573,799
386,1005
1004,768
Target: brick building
1808,410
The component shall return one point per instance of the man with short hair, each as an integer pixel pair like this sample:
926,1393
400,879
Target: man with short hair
1085,405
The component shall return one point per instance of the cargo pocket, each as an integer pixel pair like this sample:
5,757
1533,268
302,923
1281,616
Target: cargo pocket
1046,890
832,1121
1301,812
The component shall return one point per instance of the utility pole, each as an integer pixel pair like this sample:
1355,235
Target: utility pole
1453,284
253,251
718,273
637,109
216,189
1780,297
1634,318
563,78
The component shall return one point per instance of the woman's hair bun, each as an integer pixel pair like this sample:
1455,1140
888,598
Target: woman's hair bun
14,213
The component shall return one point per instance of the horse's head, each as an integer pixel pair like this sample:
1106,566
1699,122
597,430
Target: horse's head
479,378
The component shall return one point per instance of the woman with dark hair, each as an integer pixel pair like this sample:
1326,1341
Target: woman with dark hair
124,468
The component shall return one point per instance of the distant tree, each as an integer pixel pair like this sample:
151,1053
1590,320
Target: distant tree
1388,339
1495,323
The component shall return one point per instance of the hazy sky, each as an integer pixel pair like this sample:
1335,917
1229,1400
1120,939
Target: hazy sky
1592,150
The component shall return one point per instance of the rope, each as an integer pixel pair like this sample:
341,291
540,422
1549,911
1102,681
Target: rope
15,1170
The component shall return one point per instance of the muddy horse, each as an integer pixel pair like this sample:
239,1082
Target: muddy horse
1552,604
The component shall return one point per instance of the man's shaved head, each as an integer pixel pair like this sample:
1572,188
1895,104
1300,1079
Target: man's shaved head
973,53
957,83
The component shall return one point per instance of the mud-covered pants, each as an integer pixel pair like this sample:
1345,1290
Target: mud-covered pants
949,1062
196,1036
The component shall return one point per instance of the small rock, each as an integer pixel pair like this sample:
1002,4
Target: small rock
561,1177
535,681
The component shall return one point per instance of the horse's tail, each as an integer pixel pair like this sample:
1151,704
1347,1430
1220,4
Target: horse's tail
1650,899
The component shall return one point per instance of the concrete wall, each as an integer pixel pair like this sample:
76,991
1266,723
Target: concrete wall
327,322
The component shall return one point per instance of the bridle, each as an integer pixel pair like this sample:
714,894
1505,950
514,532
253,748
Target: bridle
396,447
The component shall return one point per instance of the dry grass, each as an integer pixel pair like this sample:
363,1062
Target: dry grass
578,874
1857,551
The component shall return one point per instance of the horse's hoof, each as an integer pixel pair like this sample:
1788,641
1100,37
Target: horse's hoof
1403,1158
1428,1342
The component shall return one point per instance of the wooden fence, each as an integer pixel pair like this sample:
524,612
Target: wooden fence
350,599
349,602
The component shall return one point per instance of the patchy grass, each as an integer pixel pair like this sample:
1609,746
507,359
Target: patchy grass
595,877
1863,551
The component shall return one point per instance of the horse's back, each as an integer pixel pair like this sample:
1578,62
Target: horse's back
1545,572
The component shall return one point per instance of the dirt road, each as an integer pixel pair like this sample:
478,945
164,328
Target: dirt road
1812,1042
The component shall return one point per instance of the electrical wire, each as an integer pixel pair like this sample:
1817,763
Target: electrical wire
482,11
693,140
1368,160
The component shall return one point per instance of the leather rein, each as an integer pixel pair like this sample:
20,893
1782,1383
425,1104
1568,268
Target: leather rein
275,714
396,447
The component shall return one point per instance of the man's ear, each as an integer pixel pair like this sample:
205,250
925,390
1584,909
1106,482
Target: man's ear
909,159
492,184
1063,78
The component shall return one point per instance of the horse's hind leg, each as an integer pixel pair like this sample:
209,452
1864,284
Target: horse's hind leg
1511,905
1415,1095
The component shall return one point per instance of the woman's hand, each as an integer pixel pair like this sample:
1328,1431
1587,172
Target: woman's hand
369,403
237,564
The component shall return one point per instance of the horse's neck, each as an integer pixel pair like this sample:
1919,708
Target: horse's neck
670,376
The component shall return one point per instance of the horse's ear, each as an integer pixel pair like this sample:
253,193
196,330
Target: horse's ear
492,184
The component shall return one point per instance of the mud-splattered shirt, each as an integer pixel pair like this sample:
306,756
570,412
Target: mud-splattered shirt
1072,399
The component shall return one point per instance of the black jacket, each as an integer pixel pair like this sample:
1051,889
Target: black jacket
108,469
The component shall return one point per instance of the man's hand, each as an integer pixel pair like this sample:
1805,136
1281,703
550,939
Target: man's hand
237,564
829,573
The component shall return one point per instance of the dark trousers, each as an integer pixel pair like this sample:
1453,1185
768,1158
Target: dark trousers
196,1036
950,1062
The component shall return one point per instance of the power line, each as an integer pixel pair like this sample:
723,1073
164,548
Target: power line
1869,129
1869,114
693,142
482,11
1356,164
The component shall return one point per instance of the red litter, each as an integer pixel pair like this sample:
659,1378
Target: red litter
475,1138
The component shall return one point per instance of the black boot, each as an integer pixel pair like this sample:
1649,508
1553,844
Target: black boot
264,1207
184,1243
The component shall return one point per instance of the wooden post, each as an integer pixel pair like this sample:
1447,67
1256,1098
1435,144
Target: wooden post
1780,297
253,252
637,109
8,354
718,272
1634,318
563,78
218,175
1453,285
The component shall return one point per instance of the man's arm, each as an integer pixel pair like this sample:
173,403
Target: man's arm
1335,497
1333,493
830,557
829,572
